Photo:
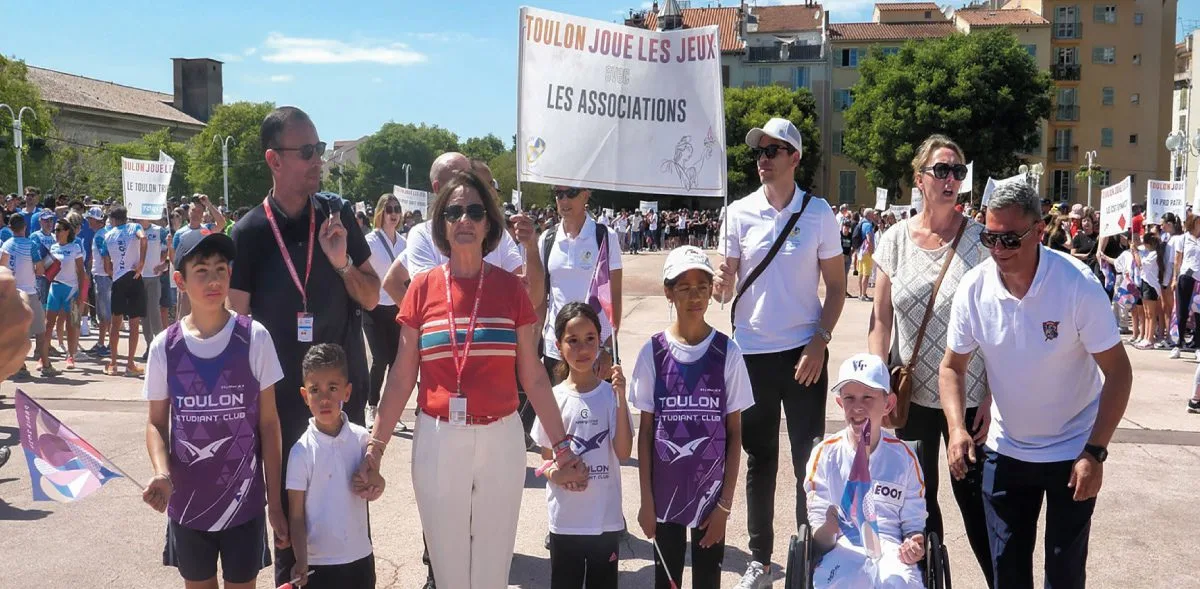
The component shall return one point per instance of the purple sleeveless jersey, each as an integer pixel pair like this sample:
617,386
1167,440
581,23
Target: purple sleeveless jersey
689,432
215,455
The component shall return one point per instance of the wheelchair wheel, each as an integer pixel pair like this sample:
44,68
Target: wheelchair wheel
798,574
934,562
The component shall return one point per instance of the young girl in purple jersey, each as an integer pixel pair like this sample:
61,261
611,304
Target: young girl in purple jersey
690,385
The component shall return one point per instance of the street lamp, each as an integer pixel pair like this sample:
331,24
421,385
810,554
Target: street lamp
1091,158
1033,175
225,163
407,169
1177,143
17,139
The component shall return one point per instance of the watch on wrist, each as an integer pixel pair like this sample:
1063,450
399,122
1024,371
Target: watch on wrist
344,269
825,335
1100,453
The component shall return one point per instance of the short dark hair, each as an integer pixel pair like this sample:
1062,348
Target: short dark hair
70,228
495,219
276,123
17,223
241,212
118,214
203,251
33,191
322,356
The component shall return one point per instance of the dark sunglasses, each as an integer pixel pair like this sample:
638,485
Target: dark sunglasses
306,151
392,210
942,170
561,193
770,151
1009,240
474,212
61,230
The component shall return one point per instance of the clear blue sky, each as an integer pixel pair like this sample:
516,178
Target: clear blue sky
352,65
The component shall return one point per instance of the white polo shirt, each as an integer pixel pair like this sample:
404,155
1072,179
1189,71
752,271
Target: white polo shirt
1038,354
420,254
571,266
382,256
336,519
781,310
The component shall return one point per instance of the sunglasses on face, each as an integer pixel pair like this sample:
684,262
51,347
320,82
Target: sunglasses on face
1009,240
770,151
474,212
392,210
61,230
942,170
306,152
561,193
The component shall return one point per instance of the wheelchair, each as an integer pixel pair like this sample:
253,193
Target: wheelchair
802,558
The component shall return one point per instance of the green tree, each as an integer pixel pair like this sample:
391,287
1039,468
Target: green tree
982,90
504,170
249,177
382,157
483,148
747,108
17,91
96,172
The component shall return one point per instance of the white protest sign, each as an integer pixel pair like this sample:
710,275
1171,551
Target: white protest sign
1164,197
360,207
993,184
516,200
646,206
619,108
144,184
881,195
412,200
918,200
1116,208
969,181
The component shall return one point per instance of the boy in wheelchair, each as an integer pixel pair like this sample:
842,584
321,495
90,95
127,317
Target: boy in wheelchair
867,514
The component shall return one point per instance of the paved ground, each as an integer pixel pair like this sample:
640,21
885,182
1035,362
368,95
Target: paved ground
1141,537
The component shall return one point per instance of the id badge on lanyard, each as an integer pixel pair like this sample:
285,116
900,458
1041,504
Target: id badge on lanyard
458,402
304,327
304,321
458,410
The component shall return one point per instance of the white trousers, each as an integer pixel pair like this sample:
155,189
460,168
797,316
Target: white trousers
843,568
468,482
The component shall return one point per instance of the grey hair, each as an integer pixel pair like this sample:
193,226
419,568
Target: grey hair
1017,194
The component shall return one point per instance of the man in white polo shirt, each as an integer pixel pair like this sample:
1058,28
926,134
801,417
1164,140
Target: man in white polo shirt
780,323
1041,321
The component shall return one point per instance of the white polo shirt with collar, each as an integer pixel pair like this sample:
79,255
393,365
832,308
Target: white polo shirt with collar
420,253
1038,354
571,265
781,310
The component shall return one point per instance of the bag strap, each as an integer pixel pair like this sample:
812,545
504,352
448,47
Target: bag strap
933,297
387,246
775,247
548,239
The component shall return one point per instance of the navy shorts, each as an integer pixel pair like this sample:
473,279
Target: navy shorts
359,574
243,551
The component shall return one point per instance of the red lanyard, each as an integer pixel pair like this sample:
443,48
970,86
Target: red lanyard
287,258
460,366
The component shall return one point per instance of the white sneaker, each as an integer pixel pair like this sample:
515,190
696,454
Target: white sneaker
757,577
370,418
1174,354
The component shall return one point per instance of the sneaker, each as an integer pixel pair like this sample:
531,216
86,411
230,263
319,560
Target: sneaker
22,374
49,372
93,350
1193,406
55,351
757,577
1174,354
4,454
370,418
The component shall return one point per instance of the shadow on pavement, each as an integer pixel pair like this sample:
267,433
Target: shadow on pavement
10,513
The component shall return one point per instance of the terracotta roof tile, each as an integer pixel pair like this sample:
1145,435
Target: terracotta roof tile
1002,18
884,6
869,31
725,18
789,17
77,91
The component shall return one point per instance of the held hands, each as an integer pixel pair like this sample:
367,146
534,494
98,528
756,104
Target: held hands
913,549
158,492
279,523
332,238
959,450
648,522
568,480
367,482
1087,475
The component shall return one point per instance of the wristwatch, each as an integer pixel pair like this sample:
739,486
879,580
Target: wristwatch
345,269
825,335
1100,453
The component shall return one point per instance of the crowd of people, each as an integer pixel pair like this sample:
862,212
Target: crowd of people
1001,345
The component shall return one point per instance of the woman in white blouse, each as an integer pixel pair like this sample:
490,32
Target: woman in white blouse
379,324
1187,270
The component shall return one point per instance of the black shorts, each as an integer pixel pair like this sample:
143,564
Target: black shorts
1148,292
243,550
129,296
359,574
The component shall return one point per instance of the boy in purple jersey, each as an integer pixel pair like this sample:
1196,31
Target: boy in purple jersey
690,385
213,431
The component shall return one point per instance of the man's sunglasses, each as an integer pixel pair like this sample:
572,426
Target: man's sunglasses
942,170
474,212
1009,240
306,151
561,193
770,151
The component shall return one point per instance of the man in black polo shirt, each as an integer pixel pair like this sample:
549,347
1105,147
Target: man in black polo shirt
317,293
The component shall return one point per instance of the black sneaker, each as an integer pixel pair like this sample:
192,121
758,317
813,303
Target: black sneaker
1193,406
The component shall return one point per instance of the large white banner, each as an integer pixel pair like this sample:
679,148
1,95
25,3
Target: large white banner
619,108
918,200
646,206
968,183
412,200
881,195
1164,197
1116,208
145,184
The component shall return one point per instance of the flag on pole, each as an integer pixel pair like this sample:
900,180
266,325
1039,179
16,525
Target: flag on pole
600,289
857,515
62,465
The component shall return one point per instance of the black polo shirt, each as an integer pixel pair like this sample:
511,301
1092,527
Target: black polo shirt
275,302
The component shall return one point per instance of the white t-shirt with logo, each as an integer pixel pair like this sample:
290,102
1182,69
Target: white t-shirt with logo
590,420
738,394
66,256
1038,352
156,246
264,362
781,310
122,245
571,266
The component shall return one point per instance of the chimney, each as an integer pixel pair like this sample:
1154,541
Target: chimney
198,87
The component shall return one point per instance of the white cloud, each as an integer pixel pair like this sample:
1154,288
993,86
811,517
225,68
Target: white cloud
282,78
229,57
250,51
447,37
283,49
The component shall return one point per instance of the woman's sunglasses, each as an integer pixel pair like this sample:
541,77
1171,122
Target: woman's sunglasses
392,210
942,170
474,212
1008,240
306,151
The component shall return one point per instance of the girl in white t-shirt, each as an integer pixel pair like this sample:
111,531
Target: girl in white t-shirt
1152,259
585,518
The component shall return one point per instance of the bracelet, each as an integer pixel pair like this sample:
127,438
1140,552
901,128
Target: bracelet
375,440
723,508
542,470
562,446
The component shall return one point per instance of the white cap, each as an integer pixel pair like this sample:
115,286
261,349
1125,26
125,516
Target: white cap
684,258
781,129
867,369
96,213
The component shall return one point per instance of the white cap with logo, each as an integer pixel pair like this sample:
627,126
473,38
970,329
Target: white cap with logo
866,369
781,129
684,258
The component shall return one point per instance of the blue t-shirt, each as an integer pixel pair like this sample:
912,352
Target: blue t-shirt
121,244
46,241
5,234
186,229
22,257
84,237
97,252
29,222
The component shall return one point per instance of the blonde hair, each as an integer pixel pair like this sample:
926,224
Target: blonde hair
928,148
377,220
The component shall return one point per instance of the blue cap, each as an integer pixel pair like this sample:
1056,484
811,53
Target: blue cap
46,215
